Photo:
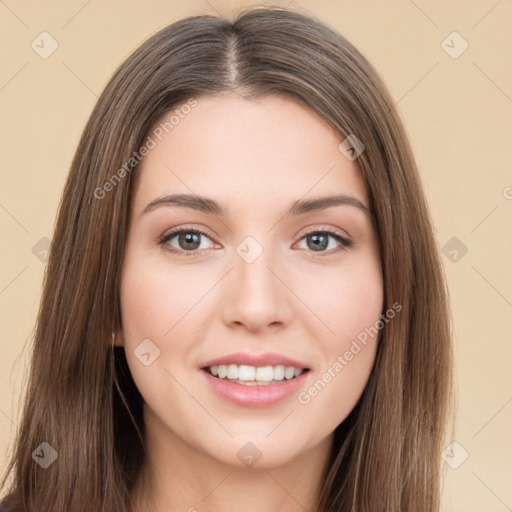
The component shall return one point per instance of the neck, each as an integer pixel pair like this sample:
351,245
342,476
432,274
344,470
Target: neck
176,476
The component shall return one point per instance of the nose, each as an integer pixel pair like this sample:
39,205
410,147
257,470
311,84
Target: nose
256,294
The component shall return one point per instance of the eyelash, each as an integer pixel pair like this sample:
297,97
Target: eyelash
163,241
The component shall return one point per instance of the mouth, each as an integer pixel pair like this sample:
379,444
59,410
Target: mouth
247,375
254,386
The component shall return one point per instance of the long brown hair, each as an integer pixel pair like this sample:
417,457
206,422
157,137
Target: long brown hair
81,399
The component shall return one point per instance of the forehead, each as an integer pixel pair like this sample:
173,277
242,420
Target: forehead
251,151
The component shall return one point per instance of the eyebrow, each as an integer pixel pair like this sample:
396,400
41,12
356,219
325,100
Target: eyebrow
210,206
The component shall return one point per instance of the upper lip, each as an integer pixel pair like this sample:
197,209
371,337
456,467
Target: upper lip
265,359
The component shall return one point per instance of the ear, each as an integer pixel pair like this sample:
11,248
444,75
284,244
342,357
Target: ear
117,336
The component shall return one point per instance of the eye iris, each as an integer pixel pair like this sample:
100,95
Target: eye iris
189,238
318,244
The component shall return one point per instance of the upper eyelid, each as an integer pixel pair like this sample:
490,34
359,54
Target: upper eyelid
174,231
204,231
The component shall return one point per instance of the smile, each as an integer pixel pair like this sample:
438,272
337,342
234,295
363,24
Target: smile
263,390
254,375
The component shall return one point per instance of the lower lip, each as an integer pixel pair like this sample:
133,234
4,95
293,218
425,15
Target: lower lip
254,396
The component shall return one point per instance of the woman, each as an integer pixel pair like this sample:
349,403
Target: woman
216,375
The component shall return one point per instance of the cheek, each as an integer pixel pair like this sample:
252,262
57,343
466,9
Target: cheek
154,306
163,303
347,300
350,303
359,305
154,299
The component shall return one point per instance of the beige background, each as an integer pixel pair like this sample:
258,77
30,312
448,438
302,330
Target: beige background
457,112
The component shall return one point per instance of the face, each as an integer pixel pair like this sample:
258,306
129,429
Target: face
254,283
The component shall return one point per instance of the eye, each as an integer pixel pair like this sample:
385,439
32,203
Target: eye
188,241
317,241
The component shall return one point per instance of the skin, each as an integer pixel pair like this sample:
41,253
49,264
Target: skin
255,157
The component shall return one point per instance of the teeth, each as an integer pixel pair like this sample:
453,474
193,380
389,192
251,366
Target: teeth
232,371
289,372
264,374
246,372
279,372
